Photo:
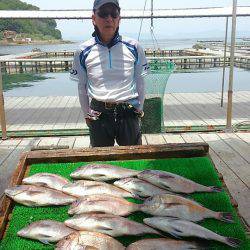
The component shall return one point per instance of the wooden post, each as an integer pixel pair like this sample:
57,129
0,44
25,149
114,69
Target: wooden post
224,65
231,74
2,111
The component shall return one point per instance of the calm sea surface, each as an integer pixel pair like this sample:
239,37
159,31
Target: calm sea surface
59,84
163,44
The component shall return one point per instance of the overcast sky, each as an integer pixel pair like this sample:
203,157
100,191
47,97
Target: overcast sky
163,28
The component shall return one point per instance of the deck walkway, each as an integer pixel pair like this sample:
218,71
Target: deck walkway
180,109
229,151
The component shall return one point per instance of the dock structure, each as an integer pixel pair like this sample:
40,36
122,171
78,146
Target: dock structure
56,64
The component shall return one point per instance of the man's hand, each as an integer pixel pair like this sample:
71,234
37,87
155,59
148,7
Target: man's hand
92,116
139,113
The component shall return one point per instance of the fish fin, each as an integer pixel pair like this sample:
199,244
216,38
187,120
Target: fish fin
232,242
226,217
104,228
46,242
175,235
216,189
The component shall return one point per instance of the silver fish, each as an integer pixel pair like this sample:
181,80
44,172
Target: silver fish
35,196
139,188
46,180
102,172
103,203
162,244
82,188
178,227
180,207
173,182
45,231
109,224
85,240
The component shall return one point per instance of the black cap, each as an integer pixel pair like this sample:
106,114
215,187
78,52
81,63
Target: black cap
99,3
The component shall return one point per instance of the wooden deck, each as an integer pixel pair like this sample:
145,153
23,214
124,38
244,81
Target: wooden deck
180,109
229,151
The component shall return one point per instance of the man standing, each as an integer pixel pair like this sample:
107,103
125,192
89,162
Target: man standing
110,71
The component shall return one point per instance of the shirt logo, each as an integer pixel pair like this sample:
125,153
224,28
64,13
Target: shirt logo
73,72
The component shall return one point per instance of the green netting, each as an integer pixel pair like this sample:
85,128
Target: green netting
156,81
199,169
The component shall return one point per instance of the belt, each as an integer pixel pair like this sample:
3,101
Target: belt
108,105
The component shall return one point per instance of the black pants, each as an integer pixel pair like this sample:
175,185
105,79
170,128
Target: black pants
118,122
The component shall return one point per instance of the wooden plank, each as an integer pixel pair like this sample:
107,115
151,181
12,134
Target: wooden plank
240,109
14,114
71,108
173,138
60,116
48,142
197,106
235,162
244,136
180,116
238,189
74,115
191,117
40,117
7,146
191,137
50,113
11,102
9,164
24,115
119,153
82,142
6,203
155,139
144,141
237,144
67,141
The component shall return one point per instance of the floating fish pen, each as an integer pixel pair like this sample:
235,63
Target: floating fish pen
189,160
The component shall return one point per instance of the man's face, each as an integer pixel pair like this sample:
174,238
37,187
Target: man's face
107,19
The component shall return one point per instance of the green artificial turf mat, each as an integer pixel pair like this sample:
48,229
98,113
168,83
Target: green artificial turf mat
197,169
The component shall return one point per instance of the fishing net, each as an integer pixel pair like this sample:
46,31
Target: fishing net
156,81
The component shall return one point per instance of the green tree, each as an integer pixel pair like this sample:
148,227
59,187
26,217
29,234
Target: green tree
35,28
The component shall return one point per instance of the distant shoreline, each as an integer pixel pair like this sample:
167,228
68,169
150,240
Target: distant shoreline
36,42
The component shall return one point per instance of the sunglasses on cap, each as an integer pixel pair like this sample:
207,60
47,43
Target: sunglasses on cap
105,13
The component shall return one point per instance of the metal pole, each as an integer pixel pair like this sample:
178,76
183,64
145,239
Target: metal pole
2,111
224,65
231,74
152,13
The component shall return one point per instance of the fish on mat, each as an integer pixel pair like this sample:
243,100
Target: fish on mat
83,187
46,231
139,188
103,203
174,183
163,244
46,180
179,228
180,207
102,172
85,240
35,196
109,224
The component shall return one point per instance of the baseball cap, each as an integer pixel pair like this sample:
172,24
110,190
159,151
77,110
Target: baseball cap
99,3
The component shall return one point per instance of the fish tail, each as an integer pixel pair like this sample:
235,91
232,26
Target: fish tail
232,242
226,217
215,189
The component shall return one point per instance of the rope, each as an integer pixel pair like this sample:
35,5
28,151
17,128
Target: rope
142,20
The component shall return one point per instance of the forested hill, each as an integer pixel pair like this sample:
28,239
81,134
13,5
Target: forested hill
38,29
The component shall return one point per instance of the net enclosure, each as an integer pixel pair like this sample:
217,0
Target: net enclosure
156,81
